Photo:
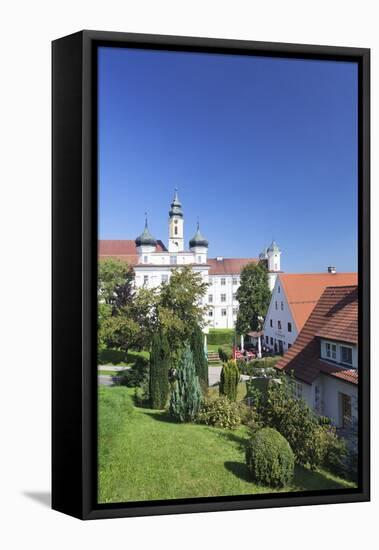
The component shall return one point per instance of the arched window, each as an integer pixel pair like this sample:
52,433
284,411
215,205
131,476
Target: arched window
176,229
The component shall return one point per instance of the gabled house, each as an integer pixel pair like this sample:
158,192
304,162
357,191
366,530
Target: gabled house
293,298
324,357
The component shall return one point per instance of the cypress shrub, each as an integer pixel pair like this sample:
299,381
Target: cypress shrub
159,367
269,458
186,397
199,357
229,379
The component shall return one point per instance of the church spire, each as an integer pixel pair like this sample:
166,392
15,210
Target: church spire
176,206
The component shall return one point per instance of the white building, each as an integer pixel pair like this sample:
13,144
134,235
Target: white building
293,298
324,357
153,264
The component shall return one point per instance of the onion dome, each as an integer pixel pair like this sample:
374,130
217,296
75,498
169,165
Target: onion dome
146,238
263,254
198,239
176,206
274,247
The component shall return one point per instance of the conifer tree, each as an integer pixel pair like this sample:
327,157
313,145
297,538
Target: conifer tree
186,397
199,357
159,367
229,379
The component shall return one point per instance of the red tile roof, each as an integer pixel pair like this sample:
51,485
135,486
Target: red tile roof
304,289
228,266
124,250
303,358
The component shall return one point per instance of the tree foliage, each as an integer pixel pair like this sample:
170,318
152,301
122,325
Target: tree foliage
229,379
159,367
179,309
186,397
199,357
254,297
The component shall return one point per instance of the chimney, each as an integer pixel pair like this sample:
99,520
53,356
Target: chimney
332,269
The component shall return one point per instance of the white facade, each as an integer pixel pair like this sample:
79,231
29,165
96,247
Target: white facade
332,397
155,267
279,331
222,301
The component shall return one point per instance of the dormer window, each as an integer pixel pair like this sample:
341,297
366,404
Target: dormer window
331,351
346,355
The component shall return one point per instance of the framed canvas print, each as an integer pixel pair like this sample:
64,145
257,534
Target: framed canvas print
210,275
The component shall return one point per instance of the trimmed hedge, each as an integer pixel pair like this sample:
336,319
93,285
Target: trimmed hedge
220,336
270,459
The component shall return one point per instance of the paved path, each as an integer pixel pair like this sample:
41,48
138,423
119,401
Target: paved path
105,380
111,368
214,375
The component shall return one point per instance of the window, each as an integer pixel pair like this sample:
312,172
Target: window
235,310
145,279
271,323
266,339
234,295
276,305
164,278
235,281
210,298
173,260
210,313
223,297
145,259
272,341
346,355
281,306
289,345
280,325
331,351
278,289
223,281
176,230
199,259
345,408
289,327
223,313
298,390
210,281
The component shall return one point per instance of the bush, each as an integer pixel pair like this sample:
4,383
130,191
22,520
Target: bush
136,375
295,421
335,453
199,357
220,336
229,379
220,412
270,459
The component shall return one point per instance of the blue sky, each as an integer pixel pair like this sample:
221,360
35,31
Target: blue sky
259,148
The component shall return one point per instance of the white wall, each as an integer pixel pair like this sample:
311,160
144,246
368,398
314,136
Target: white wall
280,313
331,389
27,29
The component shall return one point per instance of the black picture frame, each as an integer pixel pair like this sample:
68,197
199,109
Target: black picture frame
74,269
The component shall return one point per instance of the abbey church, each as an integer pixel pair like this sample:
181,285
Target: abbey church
153,263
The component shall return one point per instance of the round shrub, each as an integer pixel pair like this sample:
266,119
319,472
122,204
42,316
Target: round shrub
220,412
269,458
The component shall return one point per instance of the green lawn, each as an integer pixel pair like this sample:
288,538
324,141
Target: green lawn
143,455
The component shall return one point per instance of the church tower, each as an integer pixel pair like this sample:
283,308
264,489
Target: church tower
273,263
176,226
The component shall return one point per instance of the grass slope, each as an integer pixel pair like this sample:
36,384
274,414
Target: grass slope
143,455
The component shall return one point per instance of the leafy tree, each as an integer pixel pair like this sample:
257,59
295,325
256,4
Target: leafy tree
159,367
229,380
199,357
179,309
186,397
115,283
254,297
